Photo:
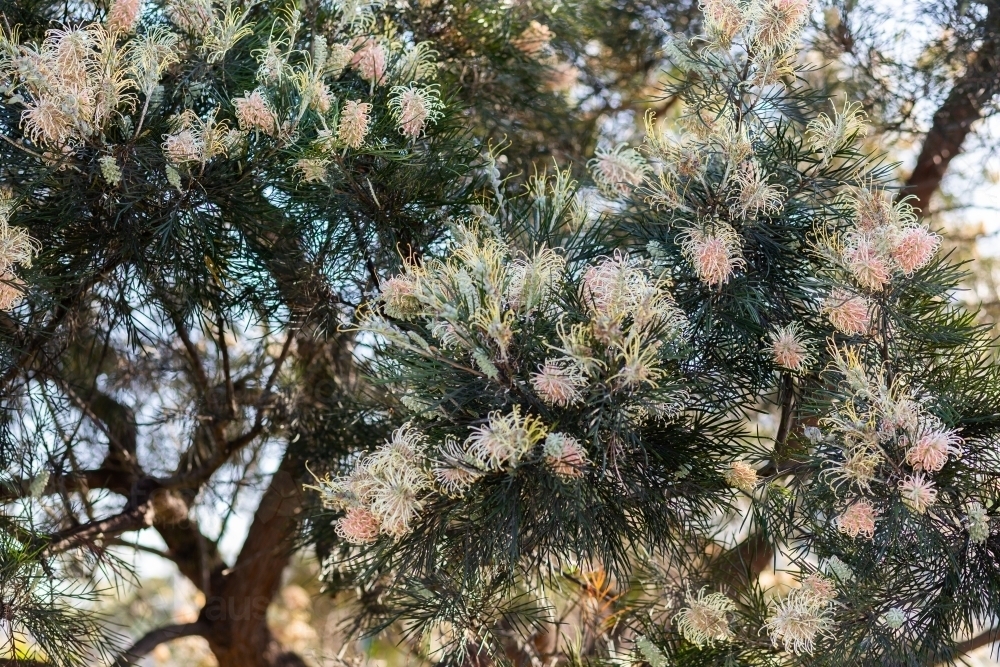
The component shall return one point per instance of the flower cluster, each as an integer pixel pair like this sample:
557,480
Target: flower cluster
611,327
630,315
254,112
977,523
715,152
826,134
885,241
370,60
347,123
617,171
789,349
848,313
75,83
17,249
715,252
355,118
384,492
742,476
770,25
123,15
858,519
414,107
874,420
534,40
196,140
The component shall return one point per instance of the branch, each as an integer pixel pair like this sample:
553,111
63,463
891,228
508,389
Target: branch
738,567
227,373
786,398
33,345
134,518
197,370
116,481
154,638
983,639
198,476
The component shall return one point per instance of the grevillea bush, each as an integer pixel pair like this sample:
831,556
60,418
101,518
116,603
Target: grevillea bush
575,388
700,397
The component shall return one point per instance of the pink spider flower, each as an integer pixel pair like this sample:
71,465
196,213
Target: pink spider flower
931,450
847,313
867,265
858,519
715,254
369,60
558,383
254,112
358,526
788,349
414,107
123,15
565,455
914,248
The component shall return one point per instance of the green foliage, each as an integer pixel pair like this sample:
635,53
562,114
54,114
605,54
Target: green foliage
336,230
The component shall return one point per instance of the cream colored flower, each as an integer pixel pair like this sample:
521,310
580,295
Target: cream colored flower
870,269
977,522
931,450
917,492
754,195
617,171
798,621
505,439
705,618
826,135
414,107
777,23
354,120
742,476
311,170
724,19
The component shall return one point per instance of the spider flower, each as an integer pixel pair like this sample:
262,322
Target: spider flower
705,618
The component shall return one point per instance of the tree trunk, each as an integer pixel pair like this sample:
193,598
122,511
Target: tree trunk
953,120
236,612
